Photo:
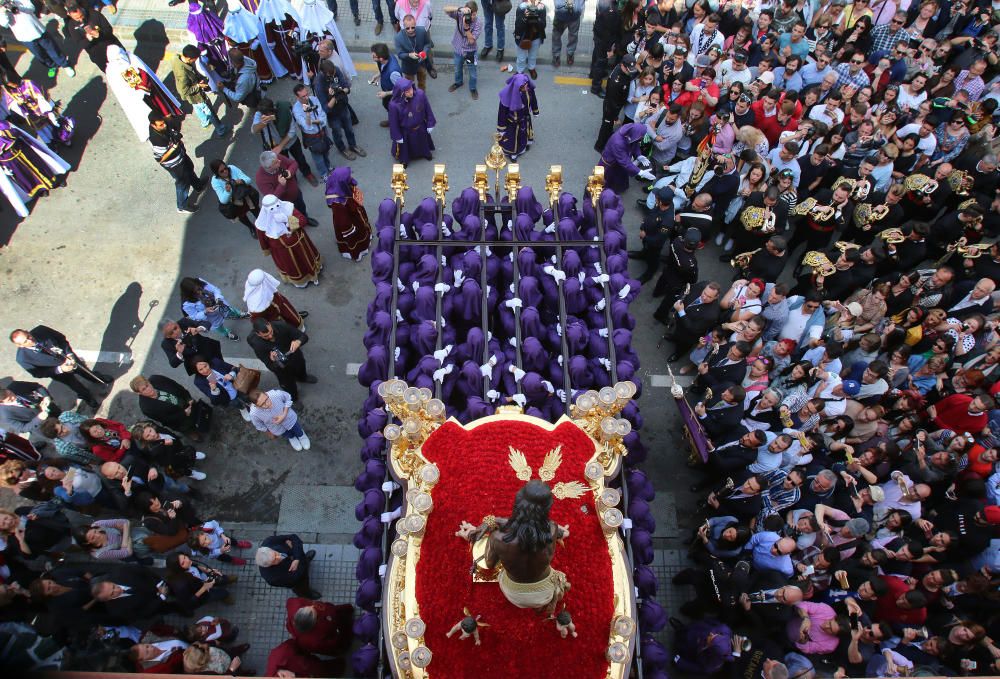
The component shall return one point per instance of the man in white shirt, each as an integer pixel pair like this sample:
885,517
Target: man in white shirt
831,114
703,36
735,70
19,17
927,143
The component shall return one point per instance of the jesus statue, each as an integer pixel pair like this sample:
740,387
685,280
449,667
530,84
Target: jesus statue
524,545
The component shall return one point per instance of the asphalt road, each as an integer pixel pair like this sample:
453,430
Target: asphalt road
100,260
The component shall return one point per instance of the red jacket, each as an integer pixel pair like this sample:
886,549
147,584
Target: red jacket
952,412
268,183
887,610
332,633
107,452
287,656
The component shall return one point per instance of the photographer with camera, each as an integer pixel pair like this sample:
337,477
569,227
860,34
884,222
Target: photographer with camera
278,345
529,33
332,88
569,15
468,26
311,119
277,177
21,18
186,338
168,150
245,89
192,86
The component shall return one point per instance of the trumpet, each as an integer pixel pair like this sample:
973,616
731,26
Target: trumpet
742,260
754,218
920,183
865,215
809,206
892,236
973,251
844,246
819,263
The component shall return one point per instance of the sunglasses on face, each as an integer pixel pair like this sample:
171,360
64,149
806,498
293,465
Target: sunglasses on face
895,21
855,61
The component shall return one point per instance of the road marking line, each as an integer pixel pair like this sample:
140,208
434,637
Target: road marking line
571,80
365,66
111,357
666,381
353,368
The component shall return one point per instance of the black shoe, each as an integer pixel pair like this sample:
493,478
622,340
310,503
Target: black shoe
500,54
310,379
533,73
673,358
357,20
311,222
597,91
569,60
485,52
310,555
556,62
314,594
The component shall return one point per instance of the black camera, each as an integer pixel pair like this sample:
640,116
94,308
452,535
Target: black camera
285,174
302,48
10,6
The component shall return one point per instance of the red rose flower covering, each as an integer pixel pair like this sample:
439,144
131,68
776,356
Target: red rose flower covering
477,480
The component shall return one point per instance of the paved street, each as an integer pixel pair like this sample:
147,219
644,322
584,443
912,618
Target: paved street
100,260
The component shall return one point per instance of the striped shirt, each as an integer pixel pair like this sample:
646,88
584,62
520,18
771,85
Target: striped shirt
263,418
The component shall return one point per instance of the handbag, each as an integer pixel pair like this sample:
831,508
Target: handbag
525,44
317,143
247,379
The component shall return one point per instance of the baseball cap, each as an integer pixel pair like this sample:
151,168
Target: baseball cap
851,387
858,526
854,309
664,193
766,77
628,60
740,55
692,236
702,60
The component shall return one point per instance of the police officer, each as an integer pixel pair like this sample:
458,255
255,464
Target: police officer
680,268
657,230
615,98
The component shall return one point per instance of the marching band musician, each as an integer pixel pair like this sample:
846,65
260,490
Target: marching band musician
984,176
836,285
921,203
751,239
680,270
884,212
815,230
955,225
768,262
913,250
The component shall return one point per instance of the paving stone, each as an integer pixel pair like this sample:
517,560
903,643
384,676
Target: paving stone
664,508
318,509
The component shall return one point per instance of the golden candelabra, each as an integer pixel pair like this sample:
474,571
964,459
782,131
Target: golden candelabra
554,183
439,184
596,413
481,182
398,183
513,181
419,414
595,184
496,160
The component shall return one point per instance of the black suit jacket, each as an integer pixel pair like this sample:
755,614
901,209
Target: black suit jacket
194,345
720,376
279,575
284,334
740,507
721,423
165,413
698,319
39,363
143,600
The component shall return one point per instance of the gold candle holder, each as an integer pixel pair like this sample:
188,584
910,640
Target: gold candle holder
439,184
554,183
481,182
496,160
595,184
398,183
513,181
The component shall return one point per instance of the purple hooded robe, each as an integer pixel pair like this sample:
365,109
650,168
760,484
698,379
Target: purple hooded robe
618,154
410,123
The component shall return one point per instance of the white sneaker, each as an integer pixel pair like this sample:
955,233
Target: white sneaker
729,245
295,444
70,71
199,455
197,475
718,238
245,414
304,440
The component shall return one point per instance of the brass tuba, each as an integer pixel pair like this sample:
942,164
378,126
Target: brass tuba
920,183
809,207
892,236
819,263
961,182
755,218
860,188
742,260
974,251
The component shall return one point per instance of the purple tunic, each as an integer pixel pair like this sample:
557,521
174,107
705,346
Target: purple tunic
618,154
206,26
410,122
517,104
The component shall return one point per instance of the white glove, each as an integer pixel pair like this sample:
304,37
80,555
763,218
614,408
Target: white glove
459,277
597,268
513,342
514,303
557,275
443,322
548,386
559,329
486,369
603,332
561,393
415,286
399,141
489,335
517,372
582,276
601,279
489,253
388,517
399,284
441,354
442,288
511,288
623,293
397,353
399,316
390,487
519,399
492,394
510,227
550,228
510,255
382,569
402,230
647,175
559,358
446,232
606,363
555,260
429,130
600,305
441,372
444,261
489,289
642,160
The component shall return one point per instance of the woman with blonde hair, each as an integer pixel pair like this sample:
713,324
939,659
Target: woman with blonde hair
200,658
749,137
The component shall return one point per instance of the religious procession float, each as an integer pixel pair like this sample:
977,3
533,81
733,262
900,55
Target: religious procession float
505,524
